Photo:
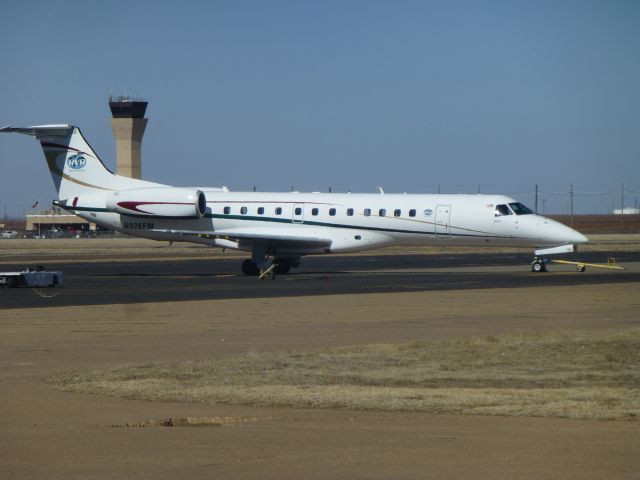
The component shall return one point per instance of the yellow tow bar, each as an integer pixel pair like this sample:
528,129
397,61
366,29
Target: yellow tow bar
582,266
267,272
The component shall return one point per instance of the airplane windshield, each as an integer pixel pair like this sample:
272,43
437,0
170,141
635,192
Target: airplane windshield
520,209
502,210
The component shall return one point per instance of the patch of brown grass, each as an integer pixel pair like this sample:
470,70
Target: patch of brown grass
188,422
561,374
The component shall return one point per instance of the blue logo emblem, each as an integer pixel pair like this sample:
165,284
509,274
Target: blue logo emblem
428,212
77,161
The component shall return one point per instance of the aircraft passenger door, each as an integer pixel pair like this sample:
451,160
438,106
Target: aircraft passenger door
443,215
298,213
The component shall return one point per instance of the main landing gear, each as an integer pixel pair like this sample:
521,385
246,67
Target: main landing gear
262,266
249,268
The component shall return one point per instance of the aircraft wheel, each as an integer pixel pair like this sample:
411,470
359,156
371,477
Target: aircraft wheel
12,282
250,268
538,267
581,268
55,281
282,267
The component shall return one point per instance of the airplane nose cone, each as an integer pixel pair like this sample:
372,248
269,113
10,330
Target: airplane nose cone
553,232
569,235
579,238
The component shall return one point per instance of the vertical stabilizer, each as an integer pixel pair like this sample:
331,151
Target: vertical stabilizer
75,168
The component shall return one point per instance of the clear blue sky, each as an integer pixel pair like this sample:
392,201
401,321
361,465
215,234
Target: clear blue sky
349,94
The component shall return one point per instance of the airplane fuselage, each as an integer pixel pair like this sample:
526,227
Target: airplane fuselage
352,221
283,226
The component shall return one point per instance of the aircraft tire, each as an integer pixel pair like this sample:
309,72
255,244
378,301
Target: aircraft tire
283,267
538,267
249,268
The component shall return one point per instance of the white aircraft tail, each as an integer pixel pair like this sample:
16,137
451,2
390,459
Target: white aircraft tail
75,168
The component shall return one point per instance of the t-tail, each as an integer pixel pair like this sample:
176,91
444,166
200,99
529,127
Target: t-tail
75,168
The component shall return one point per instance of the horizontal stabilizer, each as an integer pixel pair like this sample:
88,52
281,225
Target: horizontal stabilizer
62,130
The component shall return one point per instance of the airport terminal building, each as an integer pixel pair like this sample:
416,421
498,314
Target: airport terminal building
56,219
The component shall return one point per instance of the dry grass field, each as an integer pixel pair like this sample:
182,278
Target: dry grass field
458,337
585,375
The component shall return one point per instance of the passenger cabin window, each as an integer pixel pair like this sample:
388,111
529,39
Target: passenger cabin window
397,212
243,210
278,210
227,210
260,210
314,211
332,212
382,212
502,210
298,211
520,209
349,212
367,212
412,212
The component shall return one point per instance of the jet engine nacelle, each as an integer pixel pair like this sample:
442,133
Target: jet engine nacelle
168,202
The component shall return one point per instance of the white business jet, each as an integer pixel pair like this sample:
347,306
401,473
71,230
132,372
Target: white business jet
279,228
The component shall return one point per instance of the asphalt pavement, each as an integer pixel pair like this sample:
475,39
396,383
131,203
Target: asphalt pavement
175,280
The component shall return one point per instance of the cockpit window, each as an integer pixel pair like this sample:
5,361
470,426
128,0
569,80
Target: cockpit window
502,210
520,209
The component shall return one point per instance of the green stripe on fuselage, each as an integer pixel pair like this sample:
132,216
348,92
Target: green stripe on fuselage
303,222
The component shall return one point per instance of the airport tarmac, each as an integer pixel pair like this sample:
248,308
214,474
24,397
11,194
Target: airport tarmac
124,312
105,282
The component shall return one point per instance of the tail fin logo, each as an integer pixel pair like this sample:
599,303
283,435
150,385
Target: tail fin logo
77,161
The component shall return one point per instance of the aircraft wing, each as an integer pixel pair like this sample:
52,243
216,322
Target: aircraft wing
273,239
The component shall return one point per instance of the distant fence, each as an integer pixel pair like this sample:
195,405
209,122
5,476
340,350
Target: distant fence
571,200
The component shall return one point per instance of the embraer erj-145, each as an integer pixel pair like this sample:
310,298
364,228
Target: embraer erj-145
279,228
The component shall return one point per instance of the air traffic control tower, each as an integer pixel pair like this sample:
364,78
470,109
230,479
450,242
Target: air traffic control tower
128,124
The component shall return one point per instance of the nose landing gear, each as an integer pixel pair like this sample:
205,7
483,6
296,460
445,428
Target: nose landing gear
539,265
